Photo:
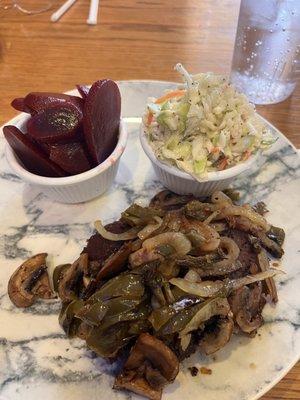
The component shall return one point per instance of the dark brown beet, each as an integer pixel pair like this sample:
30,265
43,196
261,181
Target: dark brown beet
83,91
31,156
56,124
38,101
19,104
99,249
101,120
71,157
44,147
247,256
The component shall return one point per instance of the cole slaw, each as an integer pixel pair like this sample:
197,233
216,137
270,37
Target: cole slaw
204,125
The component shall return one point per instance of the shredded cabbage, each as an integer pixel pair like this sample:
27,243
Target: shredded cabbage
208,126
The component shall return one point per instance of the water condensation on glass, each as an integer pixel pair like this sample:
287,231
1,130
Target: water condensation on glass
266,59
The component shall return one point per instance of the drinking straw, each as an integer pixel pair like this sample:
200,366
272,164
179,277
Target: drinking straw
60,12
93,14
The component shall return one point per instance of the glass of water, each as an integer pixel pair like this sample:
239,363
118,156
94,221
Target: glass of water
266,58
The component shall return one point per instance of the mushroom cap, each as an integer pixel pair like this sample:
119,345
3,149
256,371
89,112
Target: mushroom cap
137,385
246,304
30,281
150,365
71,278
214,341
161,356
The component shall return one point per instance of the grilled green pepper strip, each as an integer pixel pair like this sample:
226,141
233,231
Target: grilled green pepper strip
127,285
276,234
162,315
107,343
136,314
137,215
121,325
67,318
179,321
57,274
94,314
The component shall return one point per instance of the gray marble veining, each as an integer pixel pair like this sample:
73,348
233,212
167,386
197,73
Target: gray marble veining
38,361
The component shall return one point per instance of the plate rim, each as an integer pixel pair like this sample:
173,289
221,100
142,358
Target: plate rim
284,371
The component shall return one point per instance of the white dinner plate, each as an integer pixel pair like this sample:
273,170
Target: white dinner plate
38,362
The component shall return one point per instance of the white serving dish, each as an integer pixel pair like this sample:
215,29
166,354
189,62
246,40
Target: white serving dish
182,183
77,188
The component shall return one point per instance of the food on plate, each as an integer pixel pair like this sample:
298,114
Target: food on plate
35,102
31,154
30,282
102,111
71,157
67,135
205,371
164,281
203,126
60,123
83,90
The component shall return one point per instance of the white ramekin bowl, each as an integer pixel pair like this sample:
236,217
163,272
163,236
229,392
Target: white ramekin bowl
77,188
182,183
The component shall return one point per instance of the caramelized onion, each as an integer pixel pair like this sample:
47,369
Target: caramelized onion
220,198
149,229
232,252
176,240
214,288
209,239
128,235
202,289
244,211
192,276
264,266
211,307
215,264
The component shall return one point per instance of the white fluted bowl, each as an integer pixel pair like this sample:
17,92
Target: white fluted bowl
182,183
77,188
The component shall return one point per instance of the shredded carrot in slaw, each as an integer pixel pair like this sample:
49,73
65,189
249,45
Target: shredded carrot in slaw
222,165
175,93
149,118
246,155
215,150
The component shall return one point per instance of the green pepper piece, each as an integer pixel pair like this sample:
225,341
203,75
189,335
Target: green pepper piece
137,327
107,343
162,315
134,314
57,274
127,284
276,234
67,318
178,321
138,215
93,314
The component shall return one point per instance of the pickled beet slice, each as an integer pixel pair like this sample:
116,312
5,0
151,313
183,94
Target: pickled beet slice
31,156
71,157
83,91
101,119
56,124
38,101
19,104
